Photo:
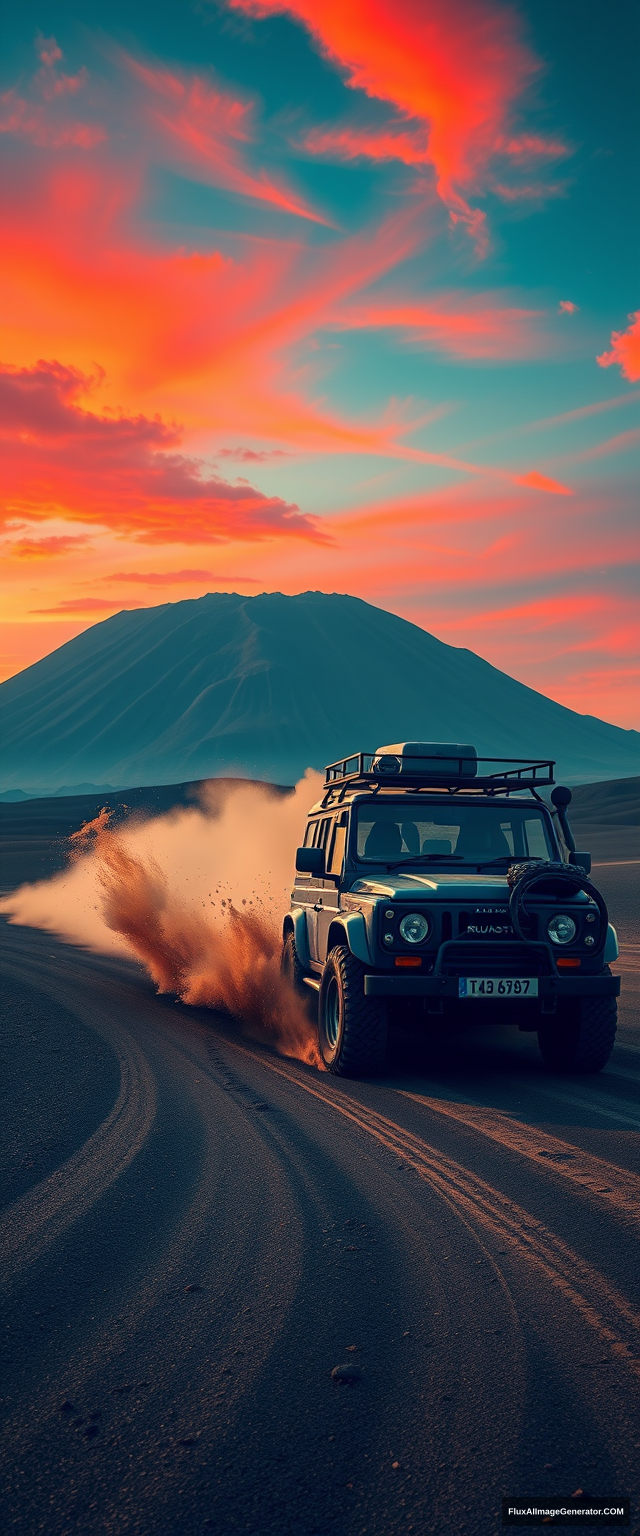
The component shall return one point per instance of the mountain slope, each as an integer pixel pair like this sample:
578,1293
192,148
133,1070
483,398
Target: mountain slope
265,686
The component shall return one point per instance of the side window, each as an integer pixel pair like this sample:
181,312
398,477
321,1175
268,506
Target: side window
308,835
325,828
536,841
337,848
506,828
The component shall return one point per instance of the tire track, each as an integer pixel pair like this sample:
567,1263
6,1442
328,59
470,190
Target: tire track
619,1188
481,1205
39,1218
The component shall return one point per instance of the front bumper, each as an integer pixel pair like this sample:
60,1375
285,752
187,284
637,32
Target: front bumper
386,985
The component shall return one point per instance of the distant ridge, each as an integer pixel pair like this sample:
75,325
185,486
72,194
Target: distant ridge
265,686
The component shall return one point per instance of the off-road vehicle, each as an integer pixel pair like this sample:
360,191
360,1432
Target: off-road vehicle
440,888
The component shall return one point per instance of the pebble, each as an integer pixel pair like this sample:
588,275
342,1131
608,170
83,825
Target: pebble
346,1375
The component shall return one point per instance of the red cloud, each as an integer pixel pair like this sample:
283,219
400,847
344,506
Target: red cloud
177,116
625,350
42,117
120,471
176,578
205,129
44,549
452,69
458,324
89,605
539,482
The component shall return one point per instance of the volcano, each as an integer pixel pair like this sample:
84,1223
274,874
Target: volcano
262,687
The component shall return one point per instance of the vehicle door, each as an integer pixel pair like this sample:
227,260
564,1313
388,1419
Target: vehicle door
315,890
334,859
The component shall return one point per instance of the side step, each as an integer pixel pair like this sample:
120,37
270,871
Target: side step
311,981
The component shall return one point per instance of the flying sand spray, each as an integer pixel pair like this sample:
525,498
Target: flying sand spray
197,895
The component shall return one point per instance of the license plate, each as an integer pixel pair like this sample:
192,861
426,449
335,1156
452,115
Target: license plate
497,986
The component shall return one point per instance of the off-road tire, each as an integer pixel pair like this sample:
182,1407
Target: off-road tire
291,968
352,1028
581,1039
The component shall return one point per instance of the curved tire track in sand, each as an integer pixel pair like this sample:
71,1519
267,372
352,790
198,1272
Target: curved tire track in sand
35,1221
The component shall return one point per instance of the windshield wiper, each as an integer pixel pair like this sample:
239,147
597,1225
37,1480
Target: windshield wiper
423,858
501,858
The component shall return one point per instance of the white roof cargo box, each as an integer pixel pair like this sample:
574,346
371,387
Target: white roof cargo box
426,757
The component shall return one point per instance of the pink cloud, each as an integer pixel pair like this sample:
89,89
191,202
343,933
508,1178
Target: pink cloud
177,578
47,548
205,129
458,324
566,307
540,482
179,117
41,115
79,605
625,350
453,71
122,472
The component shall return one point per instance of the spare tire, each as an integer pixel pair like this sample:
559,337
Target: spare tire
560,879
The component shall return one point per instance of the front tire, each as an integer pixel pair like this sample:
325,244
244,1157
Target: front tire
352,1028
582,1040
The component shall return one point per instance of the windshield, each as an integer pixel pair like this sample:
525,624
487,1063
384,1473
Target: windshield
386,831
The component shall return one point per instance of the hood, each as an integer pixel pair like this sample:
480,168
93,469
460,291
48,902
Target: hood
436,886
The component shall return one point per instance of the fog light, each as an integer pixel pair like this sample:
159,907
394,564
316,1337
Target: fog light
390,913
589,939
388,938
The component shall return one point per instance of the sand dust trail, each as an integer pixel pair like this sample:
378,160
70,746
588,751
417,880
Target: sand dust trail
197,896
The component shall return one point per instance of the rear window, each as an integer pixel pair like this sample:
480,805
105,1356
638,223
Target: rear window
387,831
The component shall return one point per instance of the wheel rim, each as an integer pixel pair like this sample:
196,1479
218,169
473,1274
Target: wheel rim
332,1014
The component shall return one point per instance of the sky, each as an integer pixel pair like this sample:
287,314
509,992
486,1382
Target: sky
327,294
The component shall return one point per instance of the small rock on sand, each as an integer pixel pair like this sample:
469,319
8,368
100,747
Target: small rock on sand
346,1375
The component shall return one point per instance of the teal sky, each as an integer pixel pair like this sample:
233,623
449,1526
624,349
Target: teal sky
357,263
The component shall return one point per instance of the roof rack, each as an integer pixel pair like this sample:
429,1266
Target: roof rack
349,772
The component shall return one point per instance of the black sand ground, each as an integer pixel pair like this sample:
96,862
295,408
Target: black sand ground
196,1232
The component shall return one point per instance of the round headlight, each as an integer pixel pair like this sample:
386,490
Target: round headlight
561,929
414,927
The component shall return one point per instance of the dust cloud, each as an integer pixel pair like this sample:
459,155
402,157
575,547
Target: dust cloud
197,896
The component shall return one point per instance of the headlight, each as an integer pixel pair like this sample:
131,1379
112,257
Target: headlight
561,929
414,928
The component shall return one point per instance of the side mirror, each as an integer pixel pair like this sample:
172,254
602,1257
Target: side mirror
310,861
582,860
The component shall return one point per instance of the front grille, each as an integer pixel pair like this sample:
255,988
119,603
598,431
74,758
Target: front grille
509,959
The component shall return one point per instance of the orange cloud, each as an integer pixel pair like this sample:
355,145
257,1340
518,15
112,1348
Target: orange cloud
180,117
458,324
542,483
122,472
47,548
42,116
200,333
80,605
205,129
625,350
177,578
452,69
